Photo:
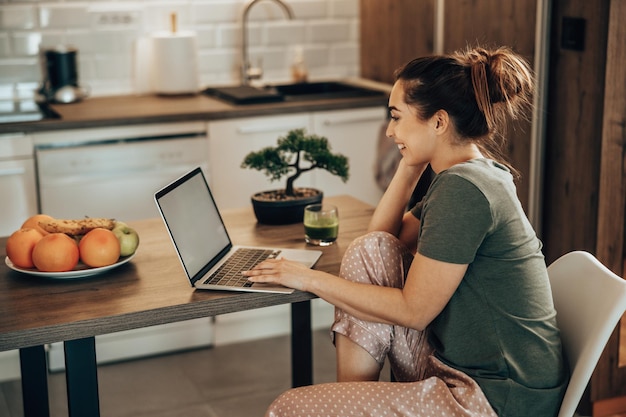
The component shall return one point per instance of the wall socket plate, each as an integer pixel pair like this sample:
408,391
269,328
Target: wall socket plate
114,19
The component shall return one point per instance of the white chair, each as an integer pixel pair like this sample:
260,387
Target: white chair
589,300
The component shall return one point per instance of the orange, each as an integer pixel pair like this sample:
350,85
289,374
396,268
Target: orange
20,245
99,247
33,222
55,252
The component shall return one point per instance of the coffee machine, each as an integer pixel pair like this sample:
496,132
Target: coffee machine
60,75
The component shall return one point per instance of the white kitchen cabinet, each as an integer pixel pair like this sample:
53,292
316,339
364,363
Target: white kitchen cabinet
17,181
18,196
114,172
353,133
231,140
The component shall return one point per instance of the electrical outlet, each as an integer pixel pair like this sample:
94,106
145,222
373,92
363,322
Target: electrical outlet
114,18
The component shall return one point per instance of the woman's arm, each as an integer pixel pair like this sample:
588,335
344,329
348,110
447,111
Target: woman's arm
429,286
390,214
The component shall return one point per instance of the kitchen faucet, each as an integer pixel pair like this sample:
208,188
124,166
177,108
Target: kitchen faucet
247,71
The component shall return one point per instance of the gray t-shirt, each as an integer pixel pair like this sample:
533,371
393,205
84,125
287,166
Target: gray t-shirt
499,327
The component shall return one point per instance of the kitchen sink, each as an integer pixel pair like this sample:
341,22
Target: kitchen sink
322,90
290,92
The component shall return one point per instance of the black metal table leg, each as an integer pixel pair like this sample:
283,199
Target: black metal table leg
301,344
34,381
81,373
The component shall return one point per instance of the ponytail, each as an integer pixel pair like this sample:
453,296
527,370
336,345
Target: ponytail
502,82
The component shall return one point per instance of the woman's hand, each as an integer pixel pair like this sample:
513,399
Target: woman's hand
284,272
391,209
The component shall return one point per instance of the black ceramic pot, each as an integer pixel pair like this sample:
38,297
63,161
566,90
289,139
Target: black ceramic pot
282,211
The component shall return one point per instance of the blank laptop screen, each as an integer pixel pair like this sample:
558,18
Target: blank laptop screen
194,222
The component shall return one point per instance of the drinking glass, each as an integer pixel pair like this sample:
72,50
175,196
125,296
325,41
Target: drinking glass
321,224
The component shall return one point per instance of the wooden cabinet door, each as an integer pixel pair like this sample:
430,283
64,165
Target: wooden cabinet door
392,33
609,379
396,31
495,23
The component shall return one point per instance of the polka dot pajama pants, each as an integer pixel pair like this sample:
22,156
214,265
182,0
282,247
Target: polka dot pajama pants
428,388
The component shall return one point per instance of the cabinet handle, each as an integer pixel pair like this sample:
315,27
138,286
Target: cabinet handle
337,122
12,171
246,130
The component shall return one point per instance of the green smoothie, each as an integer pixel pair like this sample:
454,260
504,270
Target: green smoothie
327,232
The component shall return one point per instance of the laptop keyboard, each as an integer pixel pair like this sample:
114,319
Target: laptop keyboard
243,259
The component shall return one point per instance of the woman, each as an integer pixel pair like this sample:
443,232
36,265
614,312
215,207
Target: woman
455,291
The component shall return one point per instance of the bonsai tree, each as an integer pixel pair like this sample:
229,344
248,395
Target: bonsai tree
295,154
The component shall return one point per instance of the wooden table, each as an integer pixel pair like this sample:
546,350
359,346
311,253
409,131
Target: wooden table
150,290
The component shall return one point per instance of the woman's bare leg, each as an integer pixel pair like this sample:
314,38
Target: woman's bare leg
353,362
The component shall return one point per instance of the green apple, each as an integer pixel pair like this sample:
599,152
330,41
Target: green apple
128,237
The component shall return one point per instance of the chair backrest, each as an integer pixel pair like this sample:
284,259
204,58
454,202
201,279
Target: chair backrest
589,300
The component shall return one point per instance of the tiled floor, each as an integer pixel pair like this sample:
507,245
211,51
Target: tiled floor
238,380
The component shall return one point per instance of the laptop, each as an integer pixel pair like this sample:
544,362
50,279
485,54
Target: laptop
203,245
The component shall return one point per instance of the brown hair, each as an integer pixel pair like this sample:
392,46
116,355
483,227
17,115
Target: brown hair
477,87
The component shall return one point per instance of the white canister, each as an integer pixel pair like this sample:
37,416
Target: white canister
174,63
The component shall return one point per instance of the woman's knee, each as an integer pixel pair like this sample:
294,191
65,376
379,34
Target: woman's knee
378,258
373,239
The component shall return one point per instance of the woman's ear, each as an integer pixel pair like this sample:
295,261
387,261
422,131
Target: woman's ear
441,121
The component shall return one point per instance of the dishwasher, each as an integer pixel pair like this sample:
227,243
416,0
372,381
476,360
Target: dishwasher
113,172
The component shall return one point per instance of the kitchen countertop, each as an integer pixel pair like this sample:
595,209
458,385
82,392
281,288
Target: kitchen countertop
143,109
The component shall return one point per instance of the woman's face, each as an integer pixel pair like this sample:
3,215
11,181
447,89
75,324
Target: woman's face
415,138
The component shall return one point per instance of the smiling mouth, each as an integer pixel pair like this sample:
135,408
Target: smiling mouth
401,146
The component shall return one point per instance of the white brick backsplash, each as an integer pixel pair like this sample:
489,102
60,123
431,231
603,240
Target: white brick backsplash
216,11
19,70
337,31
6,91
344,55
113,67
287,33
344,9
273,59
355,28
5,48
18,17
309,9
328,31
266,11
63,16
25,44
84,41
316,57
26,89
106,43
206,37
50,39
255,35
86,70
218,61
158,16
228,36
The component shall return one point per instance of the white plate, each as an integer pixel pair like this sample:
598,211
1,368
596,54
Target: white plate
80,271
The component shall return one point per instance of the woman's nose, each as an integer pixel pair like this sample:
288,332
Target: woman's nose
389,131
